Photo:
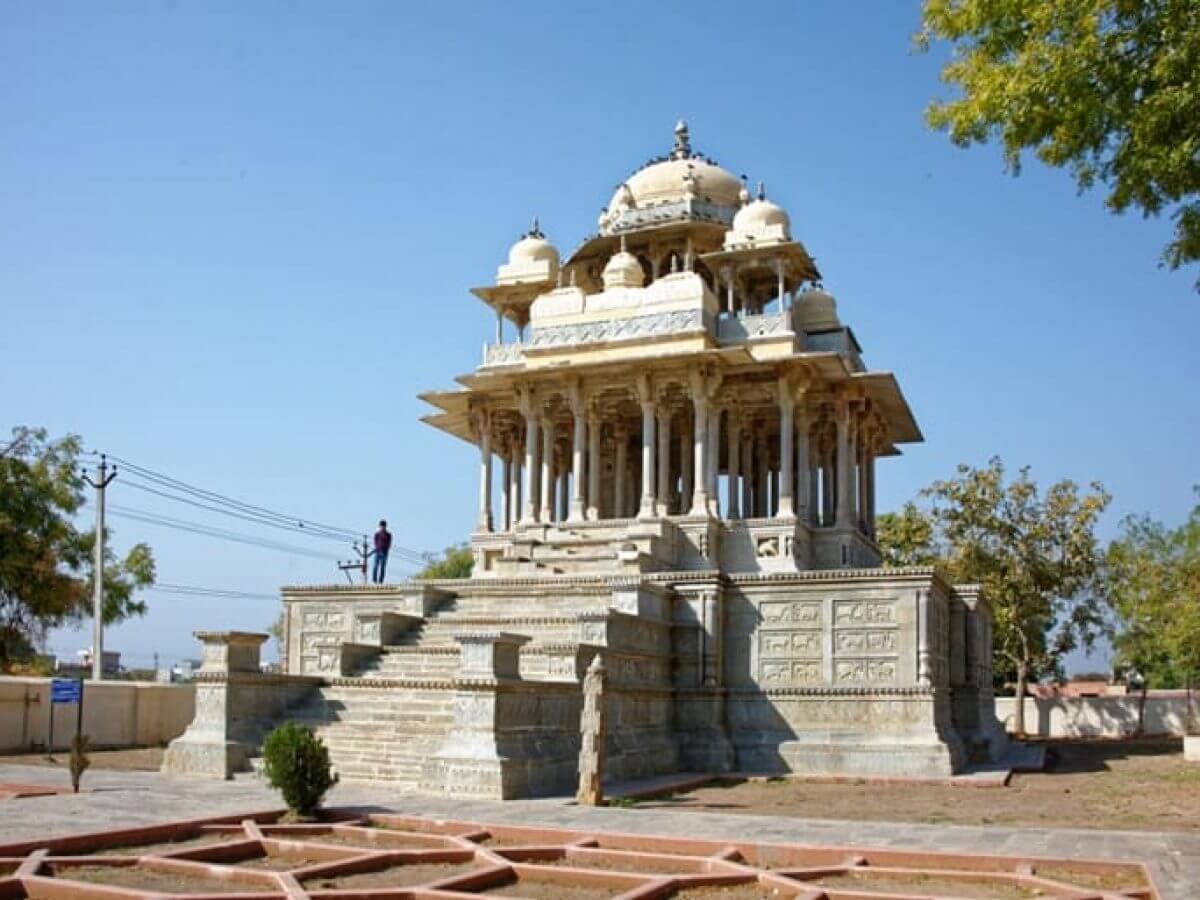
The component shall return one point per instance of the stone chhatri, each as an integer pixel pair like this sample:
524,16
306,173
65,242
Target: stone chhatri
677,467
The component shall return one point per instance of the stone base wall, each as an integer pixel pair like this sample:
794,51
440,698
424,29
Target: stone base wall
473,687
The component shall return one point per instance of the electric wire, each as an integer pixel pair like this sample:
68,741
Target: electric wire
258,514
125,482
210,531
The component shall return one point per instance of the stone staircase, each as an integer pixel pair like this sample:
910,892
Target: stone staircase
582,550
379,733
391,714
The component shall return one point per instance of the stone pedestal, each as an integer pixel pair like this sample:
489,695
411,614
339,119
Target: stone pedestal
207,747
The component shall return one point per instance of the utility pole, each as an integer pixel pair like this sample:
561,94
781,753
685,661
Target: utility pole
103,480
363,555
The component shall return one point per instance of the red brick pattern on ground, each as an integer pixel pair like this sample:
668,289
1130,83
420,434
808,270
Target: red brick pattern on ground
387,857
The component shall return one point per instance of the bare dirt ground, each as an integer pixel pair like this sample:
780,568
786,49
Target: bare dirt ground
1141,785
142,759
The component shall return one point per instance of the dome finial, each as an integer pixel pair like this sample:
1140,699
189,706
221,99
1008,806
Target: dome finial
623,249
683,144
534,230
762,191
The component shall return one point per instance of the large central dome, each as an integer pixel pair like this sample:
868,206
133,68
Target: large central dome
675,179
666,185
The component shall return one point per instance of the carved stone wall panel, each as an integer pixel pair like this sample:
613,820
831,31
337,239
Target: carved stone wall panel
793,612
865,671
864,612
786,644
865,641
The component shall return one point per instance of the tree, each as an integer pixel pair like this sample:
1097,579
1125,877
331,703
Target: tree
1153,576
1107,88
1036,556
456,562
46,564
907,538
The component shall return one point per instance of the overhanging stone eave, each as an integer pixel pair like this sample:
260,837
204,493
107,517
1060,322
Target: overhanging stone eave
885,389
458,426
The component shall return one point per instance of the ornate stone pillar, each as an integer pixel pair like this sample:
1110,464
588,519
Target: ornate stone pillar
564,486
620,463
514,487
787,427
828,478
529,513
714,460
845,464
505,487
803,465
686,484
646,400
700,443
547,469
748,510
663,505
762,474
575,397
733,487
483,431
593,466
876,446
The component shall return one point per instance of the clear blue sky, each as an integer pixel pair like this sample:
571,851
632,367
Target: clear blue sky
236,240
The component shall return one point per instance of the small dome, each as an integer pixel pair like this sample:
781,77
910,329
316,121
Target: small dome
531,259
761,217
533,247
759,221
818,310
623,270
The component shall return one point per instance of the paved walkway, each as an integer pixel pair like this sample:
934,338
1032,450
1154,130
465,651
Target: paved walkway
133,798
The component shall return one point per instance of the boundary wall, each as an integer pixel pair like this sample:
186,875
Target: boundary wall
115,714
1098,717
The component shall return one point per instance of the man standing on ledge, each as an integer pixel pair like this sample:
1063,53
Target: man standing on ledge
383,544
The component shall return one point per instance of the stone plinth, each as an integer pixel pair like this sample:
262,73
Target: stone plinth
231,651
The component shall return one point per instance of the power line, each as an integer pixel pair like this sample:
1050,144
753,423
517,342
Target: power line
189,590
237,515
260,514
210,531
213,496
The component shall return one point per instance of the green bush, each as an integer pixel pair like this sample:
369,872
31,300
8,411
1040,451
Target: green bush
79,759
297,764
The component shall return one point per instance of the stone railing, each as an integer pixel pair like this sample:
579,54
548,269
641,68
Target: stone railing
503,354
744,328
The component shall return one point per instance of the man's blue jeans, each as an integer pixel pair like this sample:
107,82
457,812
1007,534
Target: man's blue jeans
380,567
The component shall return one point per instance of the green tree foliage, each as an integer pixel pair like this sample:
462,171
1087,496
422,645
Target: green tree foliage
1036,556
906,538
1107,88
1153,575
456,562
46,564
297,764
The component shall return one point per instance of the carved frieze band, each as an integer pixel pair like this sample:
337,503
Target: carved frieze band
616,329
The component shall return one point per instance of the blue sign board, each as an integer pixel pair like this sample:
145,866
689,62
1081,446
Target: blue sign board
66,690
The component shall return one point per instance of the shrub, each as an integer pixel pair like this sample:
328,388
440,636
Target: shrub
297,764
79,761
